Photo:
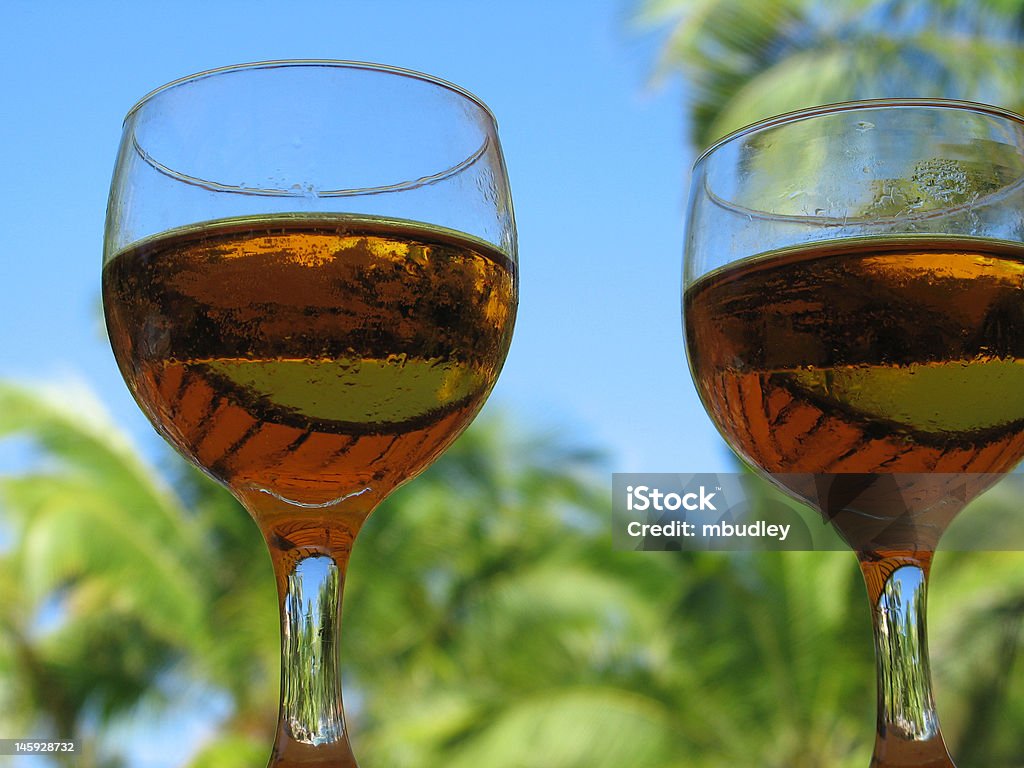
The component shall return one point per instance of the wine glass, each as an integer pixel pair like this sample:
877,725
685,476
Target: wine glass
310,285
855,328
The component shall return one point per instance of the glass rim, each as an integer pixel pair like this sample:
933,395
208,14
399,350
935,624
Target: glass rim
326,63
820,110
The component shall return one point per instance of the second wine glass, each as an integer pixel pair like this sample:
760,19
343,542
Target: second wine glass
310,286
855,328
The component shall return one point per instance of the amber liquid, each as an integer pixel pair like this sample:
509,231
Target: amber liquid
310,356
861,363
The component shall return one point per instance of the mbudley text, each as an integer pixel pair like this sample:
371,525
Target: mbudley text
676,528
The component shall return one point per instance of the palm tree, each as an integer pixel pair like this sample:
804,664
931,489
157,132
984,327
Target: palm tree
489,620
484,605
745,61
474,638
103,578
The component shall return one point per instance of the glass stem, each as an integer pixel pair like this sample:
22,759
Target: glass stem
310,548
311,724
908,734
311,711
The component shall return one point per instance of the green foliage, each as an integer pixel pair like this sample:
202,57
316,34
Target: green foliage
487,616
745,61
102,550
231,751
111,583
488,621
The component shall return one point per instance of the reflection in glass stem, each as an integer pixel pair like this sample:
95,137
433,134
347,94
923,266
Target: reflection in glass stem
908,726
311,692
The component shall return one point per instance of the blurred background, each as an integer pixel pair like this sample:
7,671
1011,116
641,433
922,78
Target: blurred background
488,620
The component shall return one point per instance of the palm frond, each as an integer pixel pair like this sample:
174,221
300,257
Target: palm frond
590,727
97,520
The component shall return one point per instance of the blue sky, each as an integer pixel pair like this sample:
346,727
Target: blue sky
596,154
